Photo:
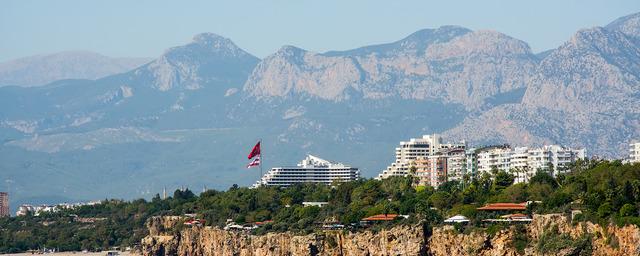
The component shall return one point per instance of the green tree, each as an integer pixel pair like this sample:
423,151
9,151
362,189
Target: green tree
628,210
502,180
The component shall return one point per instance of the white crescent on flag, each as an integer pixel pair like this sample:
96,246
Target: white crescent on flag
254,162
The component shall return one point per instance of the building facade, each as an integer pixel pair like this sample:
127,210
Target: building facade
634,155
433,162
310,170
524,162
431,170
553,158
415,148
494,158
456,164
519,164
4,204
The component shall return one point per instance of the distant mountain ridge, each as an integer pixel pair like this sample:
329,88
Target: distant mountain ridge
43,69
450,63
188,116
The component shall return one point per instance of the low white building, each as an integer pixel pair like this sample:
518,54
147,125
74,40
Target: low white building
318,204
634,156
36,210
310,170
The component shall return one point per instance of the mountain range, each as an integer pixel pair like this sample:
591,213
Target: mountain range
43,69
189,116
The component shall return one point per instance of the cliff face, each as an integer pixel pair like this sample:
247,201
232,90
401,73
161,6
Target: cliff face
215,241
401,240
610,240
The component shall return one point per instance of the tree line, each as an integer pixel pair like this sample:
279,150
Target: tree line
605,191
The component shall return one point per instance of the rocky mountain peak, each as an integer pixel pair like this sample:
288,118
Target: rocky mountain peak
206,45
289,52
481,42
443,33
210,38
590,81
415,43
207,58
629,25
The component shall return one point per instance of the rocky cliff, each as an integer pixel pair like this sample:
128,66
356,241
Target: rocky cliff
215,241
400,240
610,240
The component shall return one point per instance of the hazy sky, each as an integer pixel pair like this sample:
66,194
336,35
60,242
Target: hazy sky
146,28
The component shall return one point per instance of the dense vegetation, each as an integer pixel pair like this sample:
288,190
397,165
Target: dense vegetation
605,191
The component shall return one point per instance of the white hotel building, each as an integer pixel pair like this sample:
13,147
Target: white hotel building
310,170
415,148
634,157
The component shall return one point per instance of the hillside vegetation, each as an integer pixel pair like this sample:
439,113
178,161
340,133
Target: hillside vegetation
605,191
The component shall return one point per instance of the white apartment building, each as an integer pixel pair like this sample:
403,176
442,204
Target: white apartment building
491,158
36,210
634,157
456,164
4,204
310,170
524,162
519,164
553,156
411,150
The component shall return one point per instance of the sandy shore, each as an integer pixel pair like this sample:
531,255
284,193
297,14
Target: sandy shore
74,254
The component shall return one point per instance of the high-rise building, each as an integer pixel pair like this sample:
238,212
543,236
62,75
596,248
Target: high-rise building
634,157
456,164
310,170
519,164
4,204
471,163
415,148
431,170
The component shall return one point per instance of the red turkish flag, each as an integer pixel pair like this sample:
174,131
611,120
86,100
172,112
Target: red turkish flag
253,163
255,151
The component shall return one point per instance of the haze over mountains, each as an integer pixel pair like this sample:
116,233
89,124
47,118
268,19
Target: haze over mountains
187,117
44,69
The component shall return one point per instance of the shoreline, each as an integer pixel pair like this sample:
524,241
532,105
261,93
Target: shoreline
72,253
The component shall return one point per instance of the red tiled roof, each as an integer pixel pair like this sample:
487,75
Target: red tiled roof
381,217
504,207
263,222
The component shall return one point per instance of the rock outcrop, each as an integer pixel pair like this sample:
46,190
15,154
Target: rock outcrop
446,241
400,240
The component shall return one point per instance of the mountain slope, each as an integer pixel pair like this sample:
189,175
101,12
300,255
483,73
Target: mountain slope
44,69
450,63
196,75
584,93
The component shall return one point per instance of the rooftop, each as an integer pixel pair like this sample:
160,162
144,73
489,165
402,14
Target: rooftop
504,207
381,217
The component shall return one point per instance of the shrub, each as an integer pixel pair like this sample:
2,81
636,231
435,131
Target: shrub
520,239
628,210
605,210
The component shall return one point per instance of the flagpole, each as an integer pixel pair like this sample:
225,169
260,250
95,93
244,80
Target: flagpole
261,159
